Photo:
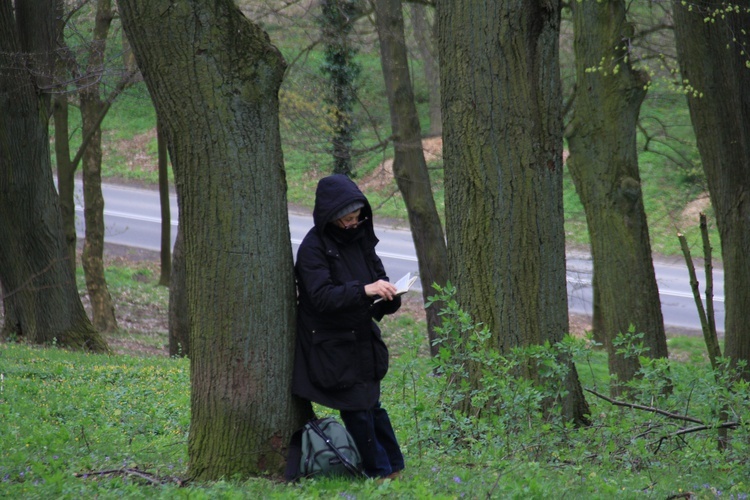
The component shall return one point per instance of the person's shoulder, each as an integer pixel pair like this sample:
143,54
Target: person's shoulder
312,238
311,244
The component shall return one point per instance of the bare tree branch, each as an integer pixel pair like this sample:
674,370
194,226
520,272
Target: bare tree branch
645,408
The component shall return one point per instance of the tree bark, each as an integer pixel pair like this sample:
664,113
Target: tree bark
214,79
92,258
502,131
425,35
712,52
603,163
409,165
40,298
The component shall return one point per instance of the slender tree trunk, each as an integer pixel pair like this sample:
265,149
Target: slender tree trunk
337,21
502,130
214,79
92,108
179,324
603,162
92,258
712,51
40,294
409,166
95,111
597,318
426,37
65,176
166,216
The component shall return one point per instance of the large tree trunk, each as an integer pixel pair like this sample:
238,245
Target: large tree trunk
425,36
214,79
603,162
92,108
40,295
502,131
712,51
409,166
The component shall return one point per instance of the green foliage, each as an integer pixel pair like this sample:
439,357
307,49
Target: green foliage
671,175
508,431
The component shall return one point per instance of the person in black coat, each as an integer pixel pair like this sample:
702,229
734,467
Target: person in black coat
340,355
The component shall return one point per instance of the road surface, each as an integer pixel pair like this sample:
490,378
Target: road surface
132,218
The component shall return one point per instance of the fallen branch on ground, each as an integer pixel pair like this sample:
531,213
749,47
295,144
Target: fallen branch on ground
127,471
702,426
646,408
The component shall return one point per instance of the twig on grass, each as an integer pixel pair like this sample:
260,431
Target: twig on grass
85,441
127,471
688,430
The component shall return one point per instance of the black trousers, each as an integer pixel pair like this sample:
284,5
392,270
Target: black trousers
373,433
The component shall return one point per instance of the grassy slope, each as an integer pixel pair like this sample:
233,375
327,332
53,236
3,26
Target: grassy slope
78,425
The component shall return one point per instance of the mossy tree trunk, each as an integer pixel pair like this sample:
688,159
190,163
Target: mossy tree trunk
409,165
336,23
502,132
92,108
92,258
214,79
603,162
712,51
40,298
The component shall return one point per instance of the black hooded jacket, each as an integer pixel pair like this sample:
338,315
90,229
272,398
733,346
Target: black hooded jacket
340,356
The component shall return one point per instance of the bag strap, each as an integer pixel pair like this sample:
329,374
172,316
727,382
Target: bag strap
353,470
291,473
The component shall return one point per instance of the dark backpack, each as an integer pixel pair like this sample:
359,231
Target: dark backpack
323,447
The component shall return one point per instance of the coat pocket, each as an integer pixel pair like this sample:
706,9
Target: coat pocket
333,359
380,353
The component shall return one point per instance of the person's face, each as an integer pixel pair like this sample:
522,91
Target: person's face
349,221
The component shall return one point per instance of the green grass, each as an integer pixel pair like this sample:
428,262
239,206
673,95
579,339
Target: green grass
81,425
72,425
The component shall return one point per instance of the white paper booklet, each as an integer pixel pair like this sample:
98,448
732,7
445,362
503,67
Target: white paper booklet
403,285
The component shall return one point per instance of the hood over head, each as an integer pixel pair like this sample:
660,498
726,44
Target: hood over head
336,194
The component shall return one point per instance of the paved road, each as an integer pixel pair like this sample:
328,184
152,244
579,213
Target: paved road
132,218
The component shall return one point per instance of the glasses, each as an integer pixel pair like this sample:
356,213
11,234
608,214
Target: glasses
354,224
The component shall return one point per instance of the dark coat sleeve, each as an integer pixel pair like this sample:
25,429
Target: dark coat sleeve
384,306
